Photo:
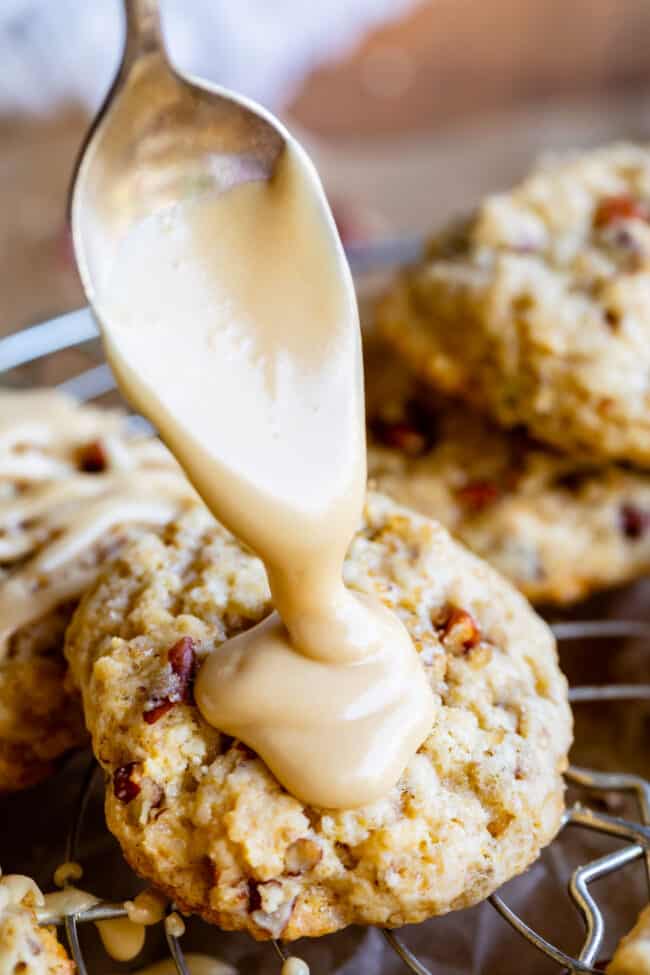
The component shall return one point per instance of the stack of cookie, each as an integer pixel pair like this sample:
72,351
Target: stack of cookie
509,386
75,485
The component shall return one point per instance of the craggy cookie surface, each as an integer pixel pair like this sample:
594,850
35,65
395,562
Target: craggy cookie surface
201,816
537,310
558,527
74,485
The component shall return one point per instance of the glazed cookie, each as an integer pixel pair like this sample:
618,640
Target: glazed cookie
26,948
201,816
537,310
73,486
558,527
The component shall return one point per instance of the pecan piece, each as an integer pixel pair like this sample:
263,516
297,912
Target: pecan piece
634,521
182,659
622,207
477,495
156,711
254,897
413,432
92,458
125,788
460,632
405,437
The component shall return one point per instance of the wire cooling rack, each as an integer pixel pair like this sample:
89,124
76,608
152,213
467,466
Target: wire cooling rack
39,345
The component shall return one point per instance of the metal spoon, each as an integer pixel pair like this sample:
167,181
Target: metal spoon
159,138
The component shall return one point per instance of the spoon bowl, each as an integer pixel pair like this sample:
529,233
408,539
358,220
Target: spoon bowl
160,138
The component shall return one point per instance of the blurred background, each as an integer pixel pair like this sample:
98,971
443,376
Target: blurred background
412,108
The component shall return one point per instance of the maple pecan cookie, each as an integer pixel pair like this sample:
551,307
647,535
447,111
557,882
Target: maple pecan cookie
557,526
74,484
537,309
632,956
25,947
200,815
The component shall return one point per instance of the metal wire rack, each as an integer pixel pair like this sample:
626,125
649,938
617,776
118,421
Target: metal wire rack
40,342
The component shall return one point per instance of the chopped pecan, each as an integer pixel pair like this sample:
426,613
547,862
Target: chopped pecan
182,659
622,207
407,439
413,431
634,521
156,711
346,856
478,495
460,632
400,435
254,898
92,458
125,786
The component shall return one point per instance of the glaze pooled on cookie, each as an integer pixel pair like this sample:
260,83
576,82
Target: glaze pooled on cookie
203,818
247,295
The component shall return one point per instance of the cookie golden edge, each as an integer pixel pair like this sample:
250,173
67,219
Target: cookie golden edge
41,720
26,946
480,319
632,955
510,499
217,833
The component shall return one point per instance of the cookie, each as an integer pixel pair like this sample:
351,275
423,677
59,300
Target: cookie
558,527
200,815
537,309
26,948
74,485
632,956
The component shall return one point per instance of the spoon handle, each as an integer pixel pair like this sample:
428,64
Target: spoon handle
143,32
